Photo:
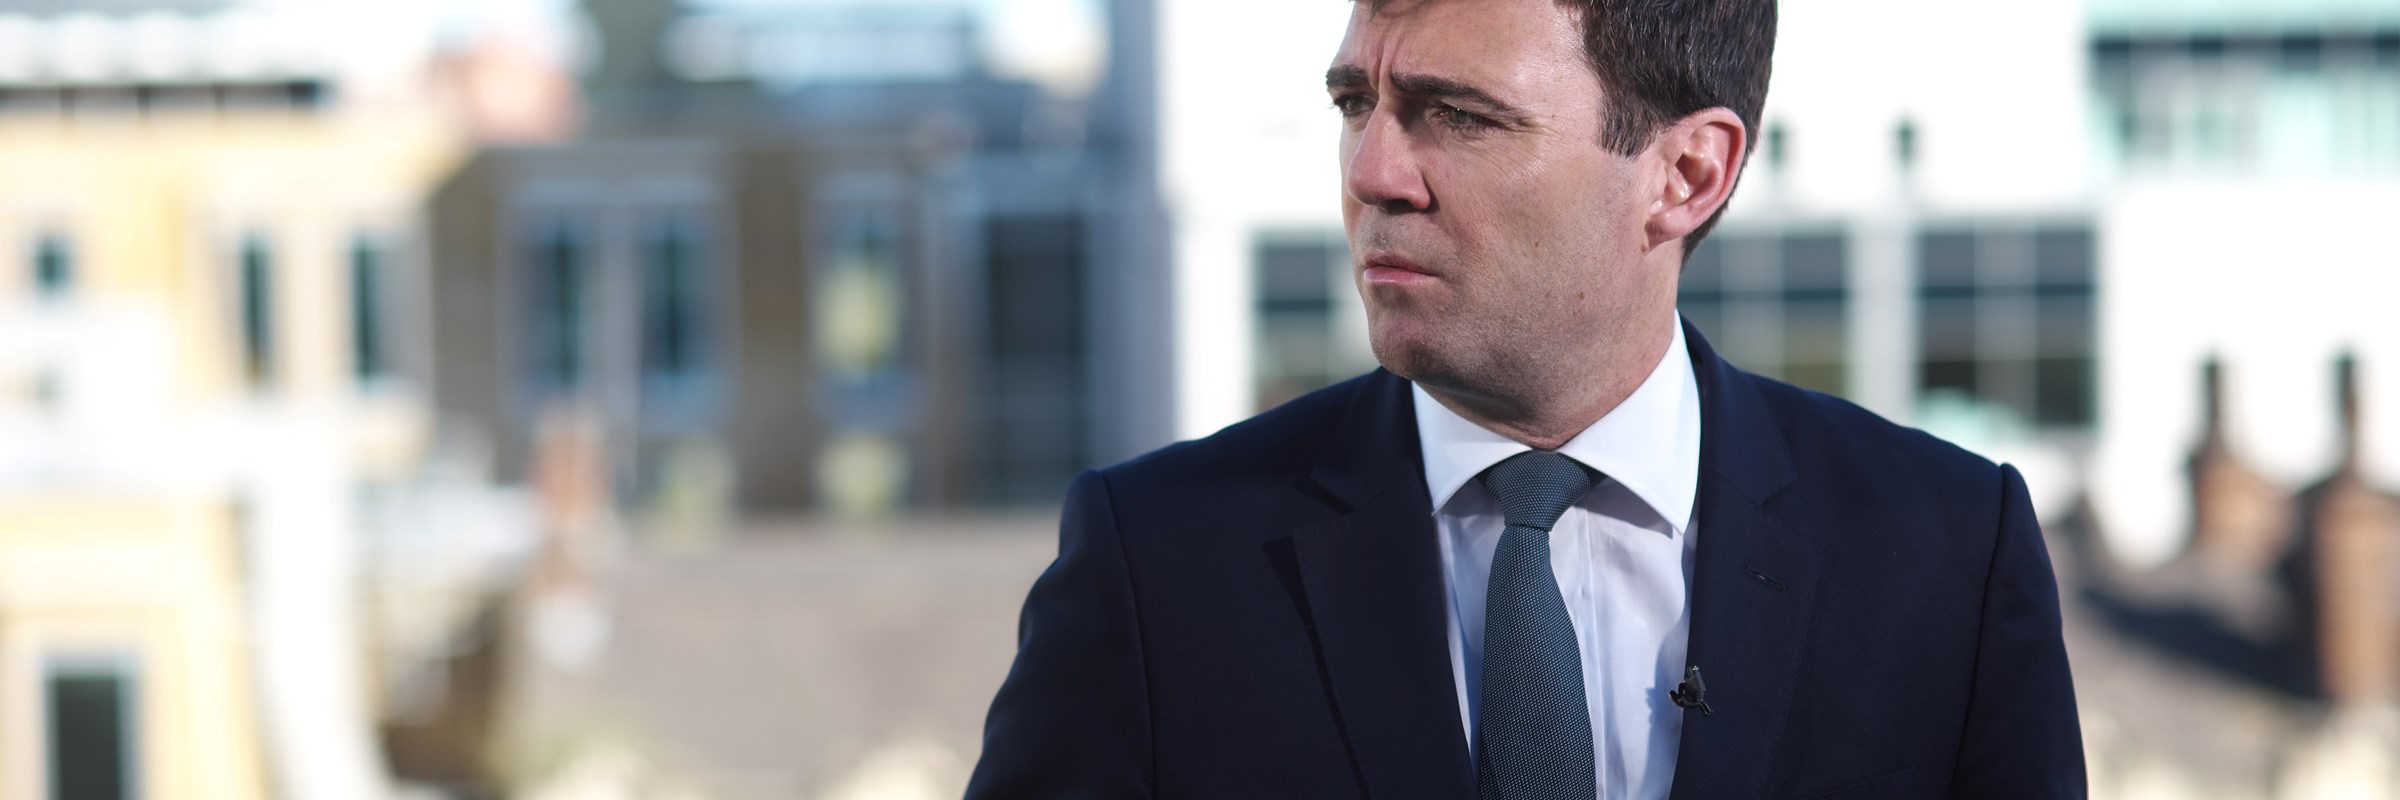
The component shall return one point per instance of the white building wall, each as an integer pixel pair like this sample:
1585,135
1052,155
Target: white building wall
1996,93
1249,143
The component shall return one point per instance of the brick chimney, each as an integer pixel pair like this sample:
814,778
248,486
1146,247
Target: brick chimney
2357,563
2240,520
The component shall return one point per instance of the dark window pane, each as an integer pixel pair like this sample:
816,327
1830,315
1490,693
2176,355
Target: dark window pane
1815,261
2065,325
1815,344
1946,258
1703,315
258,310
1293,343
557,298
1036,283
1295,357
1815,331
2063,256
1704,271
90,745
1035,412
53,266
368,358
1751,262
671,297
1946,328
1298,273
2064,394
1949,374
2007,382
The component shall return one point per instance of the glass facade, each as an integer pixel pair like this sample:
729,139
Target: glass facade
2248,99
1034,439
2005,317
1775,302
1297,343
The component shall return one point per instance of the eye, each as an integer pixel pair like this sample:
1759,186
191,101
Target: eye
1352,104
1455,117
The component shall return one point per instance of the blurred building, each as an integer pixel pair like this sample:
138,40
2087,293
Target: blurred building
210,287
805,275
854,279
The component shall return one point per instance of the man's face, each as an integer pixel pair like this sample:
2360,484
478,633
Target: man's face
1493,237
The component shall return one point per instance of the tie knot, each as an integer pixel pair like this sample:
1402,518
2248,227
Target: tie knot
1535,487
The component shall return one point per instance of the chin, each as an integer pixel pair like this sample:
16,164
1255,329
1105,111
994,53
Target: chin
1417,358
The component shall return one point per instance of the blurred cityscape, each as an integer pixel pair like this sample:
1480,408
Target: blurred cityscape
600,399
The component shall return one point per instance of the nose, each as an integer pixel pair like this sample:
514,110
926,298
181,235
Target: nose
1382,169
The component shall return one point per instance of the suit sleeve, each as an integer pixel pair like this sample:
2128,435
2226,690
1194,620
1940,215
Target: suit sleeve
1072,720
2022,739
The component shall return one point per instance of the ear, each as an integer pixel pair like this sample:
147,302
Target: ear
1700,158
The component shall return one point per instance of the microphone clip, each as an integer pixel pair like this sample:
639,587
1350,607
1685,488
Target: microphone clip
1692,692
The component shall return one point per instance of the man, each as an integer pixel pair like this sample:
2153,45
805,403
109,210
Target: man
1557,547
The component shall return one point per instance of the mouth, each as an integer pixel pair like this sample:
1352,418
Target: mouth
1392,268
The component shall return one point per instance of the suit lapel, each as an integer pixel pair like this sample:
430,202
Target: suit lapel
1374,590
1373,579
1754,589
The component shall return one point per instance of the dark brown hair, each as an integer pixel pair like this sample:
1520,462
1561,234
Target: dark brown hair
1661,60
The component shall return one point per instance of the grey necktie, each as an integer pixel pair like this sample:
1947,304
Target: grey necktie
1533,736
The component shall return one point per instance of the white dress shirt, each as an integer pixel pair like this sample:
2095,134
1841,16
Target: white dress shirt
1622,554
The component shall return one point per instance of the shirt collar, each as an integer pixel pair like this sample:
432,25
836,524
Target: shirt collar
1650,443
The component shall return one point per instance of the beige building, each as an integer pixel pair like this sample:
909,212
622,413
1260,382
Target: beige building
206,305
122,657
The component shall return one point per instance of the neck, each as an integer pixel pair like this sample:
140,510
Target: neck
1549,410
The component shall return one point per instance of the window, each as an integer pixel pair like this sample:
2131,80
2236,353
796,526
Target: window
1038,407
860,308
370,342
556,298
866,389
92,728
673,304
257,300
53,266
2006,318
1775,303
1297,347
2308,100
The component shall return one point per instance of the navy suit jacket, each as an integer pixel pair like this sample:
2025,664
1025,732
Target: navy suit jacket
1260,614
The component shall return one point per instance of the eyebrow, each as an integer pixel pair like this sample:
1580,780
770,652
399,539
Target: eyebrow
1426,86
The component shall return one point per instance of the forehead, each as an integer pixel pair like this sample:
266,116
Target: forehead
1497,43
